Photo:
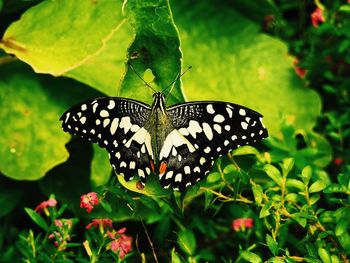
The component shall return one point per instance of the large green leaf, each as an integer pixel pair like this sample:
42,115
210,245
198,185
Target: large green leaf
58,37
31,140
233,61
156,47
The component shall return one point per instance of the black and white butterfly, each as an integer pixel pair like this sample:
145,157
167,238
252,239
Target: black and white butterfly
178,143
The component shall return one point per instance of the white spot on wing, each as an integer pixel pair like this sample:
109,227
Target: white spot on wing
207,149
83,120
187,170
210,109
104,113
219,118
141,173
229,111
94,107
114,125
197,169
178,178
217,127
202,160
132,165
207,131
125,124
67,117
83,107
169,175
123,164
194,128
106,122
242,112
111,104
244,125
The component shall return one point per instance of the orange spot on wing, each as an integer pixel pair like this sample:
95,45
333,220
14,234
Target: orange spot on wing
162,167
152,166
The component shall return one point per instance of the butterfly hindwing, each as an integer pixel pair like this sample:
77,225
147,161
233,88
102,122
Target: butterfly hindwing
116,124
202,132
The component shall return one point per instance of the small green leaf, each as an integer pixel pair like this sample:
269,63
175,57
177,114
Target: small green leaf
287,165
272,245
250,256
245,150
258,193
106,206
306,174
175,258
149,202
187,241
342,226
314,198
230,168
213,177
273,173
292,197
317,186
335,259
295,183
37,218
265,210
324,255
344,240
335,188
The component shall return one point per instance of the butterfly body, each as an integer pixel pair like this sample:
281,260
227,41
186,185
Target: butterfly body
178,143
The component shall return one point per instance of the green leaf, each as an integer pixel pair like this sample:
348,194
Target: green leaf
250,256
295,183
258,193
273,173
150,203
306,174
344,241
317,186
37,219
324,255
187,241
34,142
230,168
335,188
175,258
245,66
95,22
106,206
272,245
155,47
265,210
342,226
245,150
100,166
287,165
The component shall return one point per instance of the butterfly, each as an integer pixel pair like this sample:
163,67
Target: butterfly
178,143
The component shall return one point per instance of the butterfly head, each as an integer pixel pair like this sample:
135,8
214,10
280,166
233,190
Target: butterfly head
158,101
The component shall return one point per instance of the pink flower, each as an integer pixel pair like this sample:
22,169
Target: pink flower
317,17
44,205
240,224
121,243
89,201
102,223
298,70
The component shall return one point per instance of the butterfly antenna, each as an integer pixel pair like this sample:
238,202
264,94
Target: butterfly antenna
137,74
172,84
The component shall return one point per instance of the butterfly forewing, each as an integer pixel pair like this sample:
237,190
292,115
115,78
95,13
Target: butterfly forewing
116,124
202,132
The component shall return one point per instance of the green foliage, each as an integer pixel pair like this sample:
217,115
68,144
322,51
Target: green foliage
287,200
